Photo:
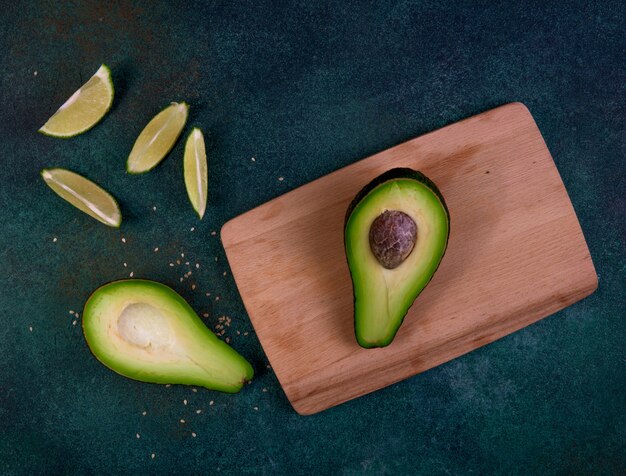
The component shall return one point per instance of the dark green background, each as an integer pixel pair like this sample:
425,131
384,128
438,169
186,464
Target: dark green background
305,88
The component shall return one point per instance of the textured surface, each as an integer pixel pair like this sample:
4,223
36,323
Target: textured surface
392,237
516,254
304,89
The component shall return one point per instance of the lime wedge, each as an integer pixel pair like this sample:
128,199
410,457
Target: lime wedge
157,138
84,195
196,171
84,108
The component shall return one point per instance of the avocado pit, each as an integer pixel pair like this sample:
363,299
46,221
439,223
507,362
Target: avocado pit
392,237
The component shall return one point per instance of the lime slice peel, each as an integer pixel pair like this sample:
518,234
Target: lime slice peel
84,109
84,194
158,138
195,171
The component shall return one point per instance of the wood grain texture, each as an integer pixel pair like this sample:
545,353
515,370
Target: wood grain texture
516,254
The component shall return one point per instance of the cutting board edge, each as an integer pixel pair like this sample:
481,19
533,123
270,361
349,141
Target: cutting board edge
300,404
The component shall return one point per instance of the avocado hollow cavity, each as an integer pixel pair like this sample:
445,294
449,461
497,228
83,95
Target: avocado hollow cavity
144,326
392,238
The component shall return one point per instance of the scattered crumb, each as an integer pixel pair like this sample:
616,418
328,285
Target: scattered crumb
77,315
198,412
30,328
182,255
54,240
144,413
211,402
125,265
245,333
74,322
216,259
177,261
193,228
264,390
268,366
123,240
132,274
217,298
185,402
193,286
193,434
181,280
238,333
154,209
172,265
182,421
280,179
194,390
156,249
208,294
167,385
34,73
256,408
206,314
197,265
253,159
213,233
187,263
152,455
228,340
72,312
138,436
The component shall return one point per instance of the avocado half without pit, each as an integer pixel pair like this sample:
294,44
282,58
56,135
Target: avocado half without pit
396,233
145,331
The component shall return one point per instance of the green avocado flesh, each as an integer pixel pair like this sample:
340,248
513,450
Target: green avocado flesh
382,296
145,331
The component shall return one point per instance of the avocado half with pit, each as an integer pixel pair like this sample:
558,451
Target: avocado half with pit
396,233
145,331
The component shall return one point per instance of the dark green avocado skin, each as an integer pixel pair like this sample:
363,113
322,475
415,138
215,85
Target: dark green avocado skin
392,174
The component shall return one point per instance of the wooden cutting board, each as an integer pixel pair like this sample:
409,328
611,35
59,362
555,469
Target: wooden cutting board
516,254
